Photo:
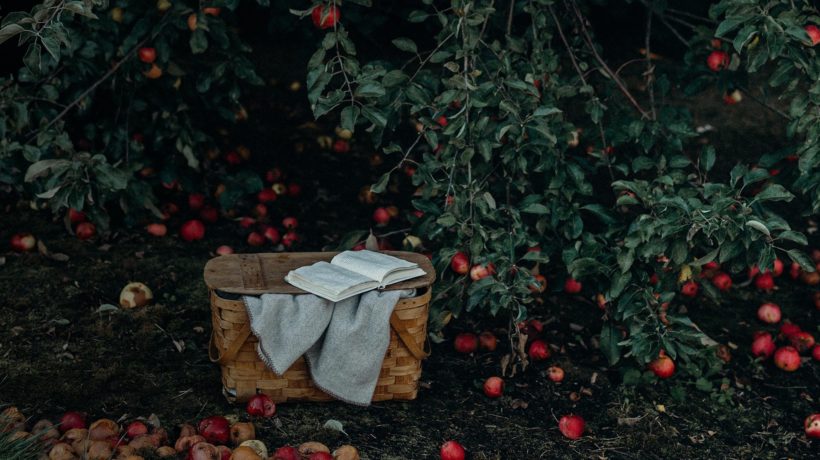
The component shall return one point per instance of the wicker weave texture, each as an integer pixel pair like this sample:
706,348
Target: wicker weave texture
245,374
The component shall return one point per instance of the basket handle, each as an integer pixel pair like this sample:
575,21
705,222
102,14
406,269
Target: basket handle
401,330
228,354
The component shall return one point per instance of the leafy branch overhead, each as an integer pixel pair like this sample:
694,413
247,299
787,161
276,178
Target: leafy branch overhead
502,99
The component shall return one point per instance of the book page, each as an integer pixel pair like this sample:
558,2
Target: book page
372,264
326,278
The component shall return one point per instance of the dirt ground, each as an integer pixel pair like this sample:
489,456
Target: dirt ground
59,352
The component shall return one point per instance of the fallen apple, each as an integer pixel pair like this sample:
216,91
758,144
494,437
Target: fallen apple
22,242
135,295
260,405
494,387
451,450
466,342
787,358
571,426
769,313
538,350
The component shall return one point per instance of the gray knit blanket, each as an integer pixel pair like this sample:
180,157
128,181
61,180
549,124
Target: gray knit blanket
344,343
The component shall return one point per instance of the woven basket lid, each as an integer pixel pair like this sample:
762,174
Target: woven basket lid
255,274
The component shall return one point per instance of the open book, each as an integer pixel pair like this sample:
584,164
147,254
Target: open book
351,273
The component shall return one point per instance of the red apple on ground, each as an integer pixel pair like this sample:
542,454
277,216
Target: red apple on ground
256,239
494,387
192,230
266,195
286,453
451,450
787,358
260,405
224,250
290,239
487,341
787,329
763,346
381,216
733,97
85,230
290,223
156,229
466,342
571,426
209,214
215,429
769,313
294,190
555,373
538,350
272,234
22,242
136,428
196,201
812,422
802,340
71,420
815,352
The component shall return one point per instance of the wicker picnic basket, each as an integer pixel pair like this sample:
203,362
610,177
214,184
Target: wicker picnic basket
234,347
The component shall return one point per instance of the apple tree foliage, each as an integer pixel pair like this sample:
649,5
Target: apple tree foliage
490,112
58,138
521,133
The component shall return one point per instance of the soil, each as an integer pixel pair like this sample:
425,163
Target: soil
59,351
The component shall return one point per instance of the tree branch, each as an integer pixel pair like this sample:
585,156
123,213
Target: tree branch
650,68
618,82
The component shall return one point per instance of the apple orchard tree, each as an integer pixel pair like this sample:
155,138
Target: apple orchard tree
532,152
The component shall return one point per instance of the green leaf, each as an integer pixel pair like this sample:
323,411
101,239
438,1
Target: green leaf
370,89
348,117
405,44
10,31
609,343
774,192
41,168
805,262
759,226
394,78
729,25
381,184
535,208
198,42
796,237
708,158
